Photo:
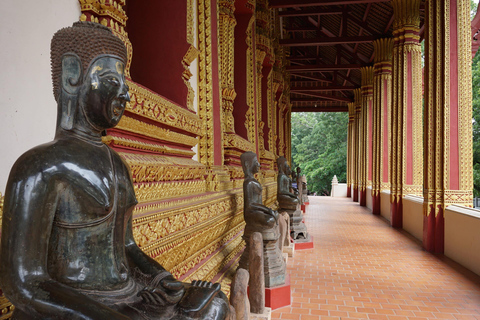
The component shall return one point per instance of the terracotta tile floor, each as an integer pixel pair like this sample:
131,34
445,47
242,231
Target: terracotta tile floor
361,268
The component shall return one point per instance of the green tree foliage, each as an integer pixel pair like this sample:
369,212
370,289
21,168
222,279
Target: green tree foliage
319,148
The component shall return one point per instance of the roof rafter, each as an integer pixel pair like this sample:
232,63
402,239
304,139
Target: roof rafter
323,67
326,41
318,96
310,77
322,88
311,3
338,108
309,12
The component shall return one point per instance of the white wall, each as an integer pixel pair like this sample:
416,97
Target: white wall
385,205
339,190
413,215
369,198
462,236
27,108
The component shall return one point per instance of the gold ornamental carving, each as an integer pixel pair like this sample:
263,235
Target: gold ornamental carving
382,83
152,229
110,13
205,92
158,148
250,122
438,107
234,141
227,23
152,106
155,168
406,54
150,191
190,56
141,127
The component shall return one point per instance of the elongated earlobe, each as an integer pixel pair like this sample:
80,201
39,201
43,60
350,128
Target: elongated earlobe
71,76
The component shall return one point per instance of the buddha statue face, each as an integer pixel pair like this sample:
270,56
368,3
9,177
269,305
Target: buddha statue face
250,162
104,93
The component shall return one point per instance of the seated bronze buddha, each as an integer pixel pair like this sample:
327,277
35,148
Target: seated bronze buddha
67,249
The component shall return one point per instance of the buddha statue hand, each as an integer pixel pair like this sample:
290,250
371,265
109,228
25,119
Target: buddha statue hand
167,292
197,297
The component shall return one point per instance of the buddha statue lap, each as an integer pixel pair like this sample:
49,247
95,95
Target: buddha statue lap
260,218
67,249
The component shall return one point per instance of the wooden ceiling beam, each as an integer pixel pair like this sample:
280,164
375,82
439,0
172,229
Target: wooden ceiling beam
300,29
310,77
322,88
323,67
325,41
309,12
338,108
347,47
311,3
362,24
304,58
348,78
317,96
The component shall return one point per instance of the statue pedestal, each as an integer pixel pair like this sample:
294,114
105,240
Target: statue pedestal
290,250
280,296
297,226
274,265
304,244
266,315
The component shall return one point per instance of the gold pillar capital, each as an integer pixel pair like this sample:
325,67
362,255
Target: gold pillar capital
406,13
367,81
383,49
357,99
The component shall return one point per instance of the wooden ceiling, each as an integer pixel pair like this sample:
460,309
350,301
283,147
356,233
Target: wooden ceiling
329,42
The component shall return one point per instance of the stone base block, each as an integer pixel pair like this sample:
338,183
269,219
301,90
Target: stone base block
278,297
267,315
299,231
290,250
304,244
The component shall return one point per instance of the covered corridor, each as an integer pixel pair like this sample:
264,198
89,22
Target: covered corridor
361,268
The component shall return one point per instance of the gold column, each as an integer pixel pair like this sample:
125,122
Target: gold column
365,135
448,176
357,144
381,118
406,167
250,121
227,25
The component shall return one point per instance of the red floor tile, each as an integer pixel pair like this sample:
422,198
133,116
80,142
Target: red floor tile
361,268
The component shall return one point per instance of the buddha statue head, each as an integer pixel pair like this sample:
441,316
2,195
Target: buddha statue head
88,63
282,165
250,163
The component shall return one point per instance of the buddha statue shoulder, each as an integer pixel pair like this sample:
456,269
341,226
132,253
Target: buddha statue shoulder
67,249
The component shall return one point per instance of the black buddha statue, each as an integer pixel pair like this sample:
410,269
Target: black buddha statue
67,249
262,219
290,202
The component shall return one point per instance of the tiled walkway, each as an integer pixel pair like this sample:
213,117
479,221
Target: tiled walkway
361,268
